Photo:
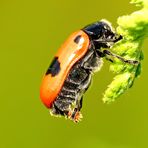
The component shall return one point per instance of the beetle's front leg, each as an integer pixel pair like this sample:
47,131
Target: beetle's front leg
85,62
92,62
107,52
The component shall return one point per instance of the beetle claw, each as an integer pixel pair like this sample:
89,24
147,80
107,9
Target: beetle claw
76,116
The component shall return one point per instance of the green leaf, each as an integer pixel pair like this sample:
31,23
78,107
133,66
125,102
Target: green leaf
134,29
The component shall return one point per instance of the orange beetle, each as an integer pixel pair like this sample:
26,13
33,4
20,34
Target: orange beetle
70,72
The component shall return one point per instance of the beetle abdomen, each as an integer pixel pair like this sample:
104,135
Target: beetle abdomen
77,82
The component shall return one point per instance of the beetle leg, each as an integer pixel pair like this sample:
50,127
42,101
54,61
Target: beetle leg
92,61
132,62
80,103
114,40
86,58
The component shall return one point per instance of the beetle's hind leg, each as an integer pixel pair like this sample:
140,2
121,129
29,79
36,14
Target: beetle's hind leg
76,115
55,111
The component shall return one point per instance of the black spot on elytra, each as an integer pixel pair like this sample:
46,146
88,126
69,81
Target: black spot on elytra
77,39
54,67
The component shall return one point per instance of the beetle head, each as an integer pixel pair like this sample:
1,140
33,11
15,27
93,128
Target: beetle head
102,33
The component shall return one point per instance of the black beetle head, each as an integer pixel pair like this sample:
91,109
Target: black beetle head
102,32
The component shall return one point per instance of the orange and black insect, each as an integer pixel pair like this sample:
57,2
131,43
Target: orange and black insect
70,73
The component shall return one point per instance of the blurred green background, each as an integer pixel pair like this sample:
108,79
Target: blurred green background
30,33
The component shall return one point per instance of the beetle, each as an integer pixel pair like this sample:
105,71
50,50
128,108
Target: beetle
70,73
